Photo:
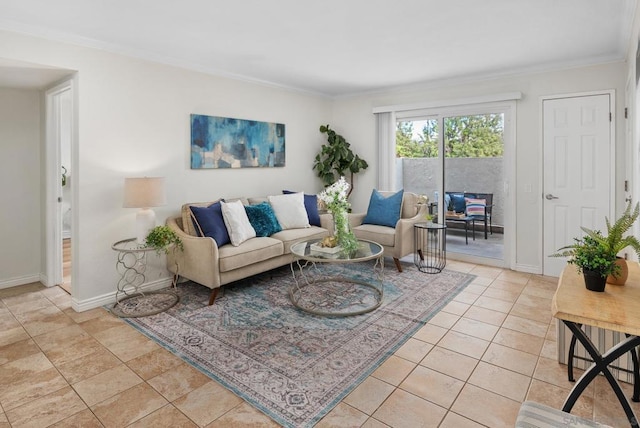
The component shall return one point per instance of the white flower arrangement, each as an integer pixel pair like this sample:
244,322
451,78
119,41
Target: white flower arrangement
335,200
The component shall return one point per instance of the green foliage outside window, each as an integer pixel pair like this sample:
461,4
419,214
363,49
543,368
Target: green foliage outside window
464,136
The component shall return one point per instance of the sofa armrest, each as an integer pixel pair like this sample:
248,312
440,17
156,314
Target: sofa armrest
199,260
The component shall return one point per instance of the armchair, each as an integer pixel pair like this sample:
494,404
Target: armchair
397,242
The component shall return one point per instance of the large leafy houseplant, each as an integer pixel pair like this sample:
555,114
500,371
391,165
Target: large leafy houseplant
336,159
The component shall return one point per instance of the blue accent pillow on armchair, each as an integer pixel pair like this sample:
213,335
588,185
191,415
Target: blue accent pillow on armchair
208,221
263,219
384,211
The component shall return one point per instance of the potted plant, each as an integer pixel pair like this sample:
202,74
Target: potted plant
336,158
593,252
162,239
592,258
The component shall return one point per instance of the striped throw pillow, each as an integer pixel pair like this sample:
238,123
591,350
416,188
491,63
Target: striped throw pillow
475,206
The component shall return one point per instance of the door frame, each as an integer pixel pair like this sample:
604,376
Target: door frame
612,159
53,185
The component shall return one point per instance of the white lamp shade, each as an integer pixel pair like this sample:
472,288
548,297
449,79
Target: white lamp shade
144,192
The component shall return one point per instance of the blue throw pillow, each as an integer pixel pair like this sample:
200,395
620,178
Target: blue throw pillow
459,204
208,221
384,211
263,219
311,205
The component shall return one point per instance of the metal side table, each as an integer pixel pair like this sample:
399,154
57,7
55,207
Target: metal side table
430,247
131,300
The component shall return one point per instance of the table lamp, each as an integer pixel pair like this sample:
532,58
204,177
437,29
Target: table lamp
144,193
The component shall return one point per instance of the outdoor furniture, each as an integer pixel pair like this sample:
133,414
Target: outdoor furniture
456,218
477,206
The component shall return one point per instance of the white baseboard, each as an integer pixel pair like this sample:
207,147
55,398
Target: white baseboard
110,298
529,269
21,280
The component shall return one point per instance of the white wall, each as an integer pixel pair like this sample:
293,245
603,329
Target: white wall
134,121
20,177
353,118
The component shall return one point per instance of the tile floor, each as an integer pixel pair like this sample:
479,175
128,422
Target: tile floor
470,366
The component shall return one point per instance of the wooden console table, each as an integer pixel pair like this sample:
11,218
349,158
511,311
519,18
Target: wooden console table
616,309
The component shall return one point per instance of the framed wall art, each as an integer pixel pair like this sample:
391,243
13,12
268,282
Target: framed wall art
223,142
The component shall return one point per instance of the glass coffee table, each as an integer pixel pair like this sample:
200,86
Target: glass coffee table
325,284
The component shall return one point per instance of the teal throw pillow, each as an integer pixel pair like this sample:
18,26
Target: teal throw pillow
384,211
263,219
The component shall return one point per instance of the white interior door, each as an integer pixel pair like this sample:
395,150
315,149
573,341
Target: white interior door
577,171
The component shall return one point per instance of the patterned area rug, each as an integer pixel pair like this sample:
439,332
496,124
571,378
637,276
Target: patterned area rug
294,366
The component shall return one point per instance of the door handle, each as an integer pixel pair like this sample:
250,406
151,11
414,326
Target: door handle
549,196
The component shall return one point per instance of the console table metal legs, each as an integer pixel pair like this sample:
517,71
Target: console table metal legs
601,365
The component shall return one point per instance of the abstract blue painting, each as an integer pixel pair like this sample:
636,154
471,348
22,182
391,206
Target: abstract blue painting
223,142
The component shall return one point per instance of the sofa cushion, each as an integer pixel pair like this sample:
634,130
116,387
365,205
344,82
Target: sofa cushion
237,222
251,251
311,206
187,217
291,236
383,235
384,211
290,210
208,221
263,219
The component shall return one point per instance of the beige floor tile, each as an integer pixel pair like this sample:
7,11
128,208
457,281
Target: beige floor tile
488,316
511,359
549,349
431,385
7,320
450,363
166,416
18,369
456,308
486,271
484,282
501,381
403,409
501,294
444,319
88,365
80,317
466,297
520,341
243,416
485,407
475,328
46,410
534,289
30,303
31,387
430,333
342,415
414,350
374,423
454,420
153,363
106,384
207,403
606,407
368,396
32,288
527,326
513,276
493,304
12,335
552,330
543,303
178,381
464,344
83,419
394,370
531,312
77,348
554,396
475,288
513,287
125,343
100,322
551,371
128,406
60,338
17,350
47,323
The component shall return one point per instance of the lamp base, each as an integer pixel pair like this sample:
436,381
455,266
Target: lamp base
145,221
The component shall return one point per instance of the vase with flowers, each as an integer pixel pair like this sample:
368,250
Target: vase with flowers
335,201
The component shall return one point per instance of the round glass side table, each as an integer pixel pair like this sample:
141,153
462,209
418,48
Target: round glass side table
430,247
131,300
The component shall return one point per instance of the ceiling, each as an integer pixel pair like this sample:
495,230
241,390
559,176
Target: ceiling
338,47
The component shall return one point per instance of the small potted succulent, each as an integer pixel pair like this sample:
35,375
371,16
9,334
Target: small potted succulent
162,239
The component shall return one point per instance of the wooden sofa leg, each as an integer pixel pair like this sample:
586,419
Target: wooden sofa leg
398,265
212,298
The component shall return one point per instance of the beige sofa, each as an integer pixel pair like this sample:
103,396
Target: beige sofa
397,242
203,262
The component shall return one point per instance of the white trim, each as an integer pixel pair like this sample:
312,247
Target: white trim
110,298
508,96
21,280
612,160
537,270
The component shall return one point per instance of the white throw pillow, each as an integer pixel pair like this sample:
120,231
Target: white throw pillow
290,210
237,222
